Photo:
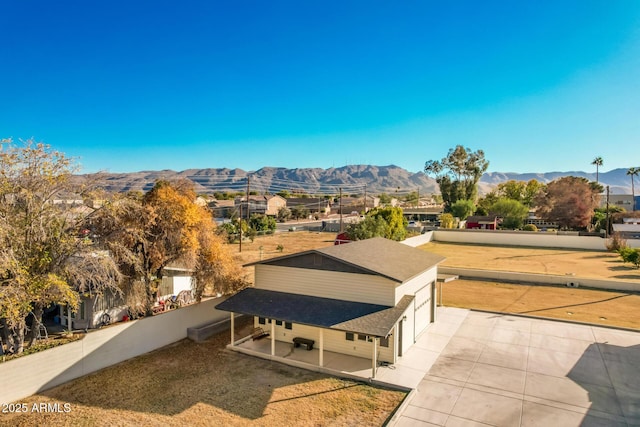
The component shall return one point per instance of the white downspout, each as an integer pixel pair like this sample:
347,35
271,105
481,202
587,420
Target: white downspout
321,360
374,362
273,337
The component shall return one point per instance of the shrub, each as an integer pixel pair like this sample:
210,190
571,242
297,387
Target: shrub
616,243
631,256
530,227
280,248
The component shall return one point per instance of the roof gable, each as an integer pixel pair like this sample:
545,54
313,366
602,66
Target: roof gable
377,256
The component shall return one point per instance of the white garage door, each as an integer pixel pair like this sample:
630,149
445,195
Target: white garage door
423,308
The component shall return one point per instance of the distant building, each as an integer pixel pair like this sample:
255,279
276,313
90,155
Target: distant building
482,222
264,205
315,205
622,200
629,229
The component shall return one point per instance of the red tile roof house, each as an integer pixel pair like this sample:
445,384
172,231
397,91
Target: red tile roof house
370,299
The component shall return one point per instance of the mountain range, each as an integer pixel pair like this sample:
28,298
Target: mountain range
352,179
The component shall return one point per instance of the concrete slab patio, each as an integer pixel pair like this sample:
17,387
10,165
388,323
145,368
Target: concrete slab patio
503,370
475,368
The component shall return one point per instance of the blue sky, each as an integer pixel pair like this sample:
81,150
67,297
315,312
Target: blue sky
128,86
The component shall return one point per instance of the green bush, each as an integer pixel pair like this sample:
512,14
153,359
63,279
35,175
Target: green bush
631,256
530,227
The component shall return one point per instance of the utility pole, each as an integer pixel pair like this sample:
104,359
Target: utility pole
340,205
606,230
240,224
365,199
248,200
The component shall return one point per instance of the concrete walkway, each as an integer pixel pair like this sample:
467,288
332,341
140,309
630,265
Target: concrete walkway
500,370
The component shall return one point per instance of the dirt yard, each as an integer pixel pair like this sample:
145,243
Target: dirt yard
204,384
265,247
593,306
602,265
581,305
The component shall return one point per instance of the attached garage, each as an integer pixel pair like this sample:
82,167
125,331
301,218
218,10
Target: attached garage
423,308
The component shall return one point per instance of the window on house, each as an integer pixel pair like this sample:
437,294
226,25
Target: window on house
262,320
363,338
384,342
279,322
288,325
349,336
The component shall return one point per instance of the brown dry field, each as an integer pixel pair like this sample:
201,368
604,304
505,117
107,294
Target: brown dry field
204,384
594,264
609,308
292,242
584,305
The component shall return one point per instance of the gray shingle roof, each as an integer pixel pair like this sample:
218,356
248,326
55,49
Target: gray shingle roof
380,256
362,318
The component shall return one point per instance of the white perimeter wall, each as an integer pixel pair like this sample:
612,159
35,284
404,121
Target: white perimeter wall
30,374
515,238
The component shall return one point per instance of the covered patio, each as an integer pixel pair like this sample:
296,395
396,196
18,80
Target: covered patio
328,324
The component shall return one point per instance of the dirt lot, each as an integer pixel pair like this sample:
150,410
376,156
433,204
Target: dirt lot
291,242
593,306
603,265
203,384
582,305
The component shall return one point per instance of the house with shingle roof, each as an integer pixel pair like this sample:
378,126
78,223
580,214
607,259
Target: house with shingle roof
371,298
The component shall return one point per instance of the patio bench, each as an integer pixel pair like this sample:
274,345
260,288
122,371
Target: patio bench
259,333
298,341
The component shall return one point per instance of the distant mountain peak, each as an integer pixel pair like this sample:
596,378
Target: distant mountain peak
352,178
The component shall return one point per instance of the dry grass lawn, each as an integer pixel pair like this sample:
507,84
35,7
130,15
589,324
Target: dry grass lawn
582,305
204,384
594,264
292,242
585,305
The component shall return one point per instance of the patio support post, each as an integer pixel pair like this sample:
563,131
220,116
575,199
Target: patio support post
232,330
273,337
321,361
374,362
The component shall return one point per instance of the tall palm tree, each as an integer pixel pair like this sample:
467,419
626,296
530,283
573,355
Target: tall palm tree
598,162
633,172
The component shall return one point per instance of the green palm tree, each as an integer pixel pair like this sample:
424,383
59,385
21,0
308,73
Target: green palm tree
633,172
598,162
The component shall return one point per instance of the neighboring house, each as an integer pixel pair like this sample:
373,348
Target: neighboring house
264,205
175,279
312,204
371,298
95,310
98,309
223,208
354,204
629,229
482,222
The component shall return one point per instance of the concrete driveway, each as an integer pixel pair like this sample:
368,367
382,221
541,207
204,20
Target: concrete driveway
505,370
